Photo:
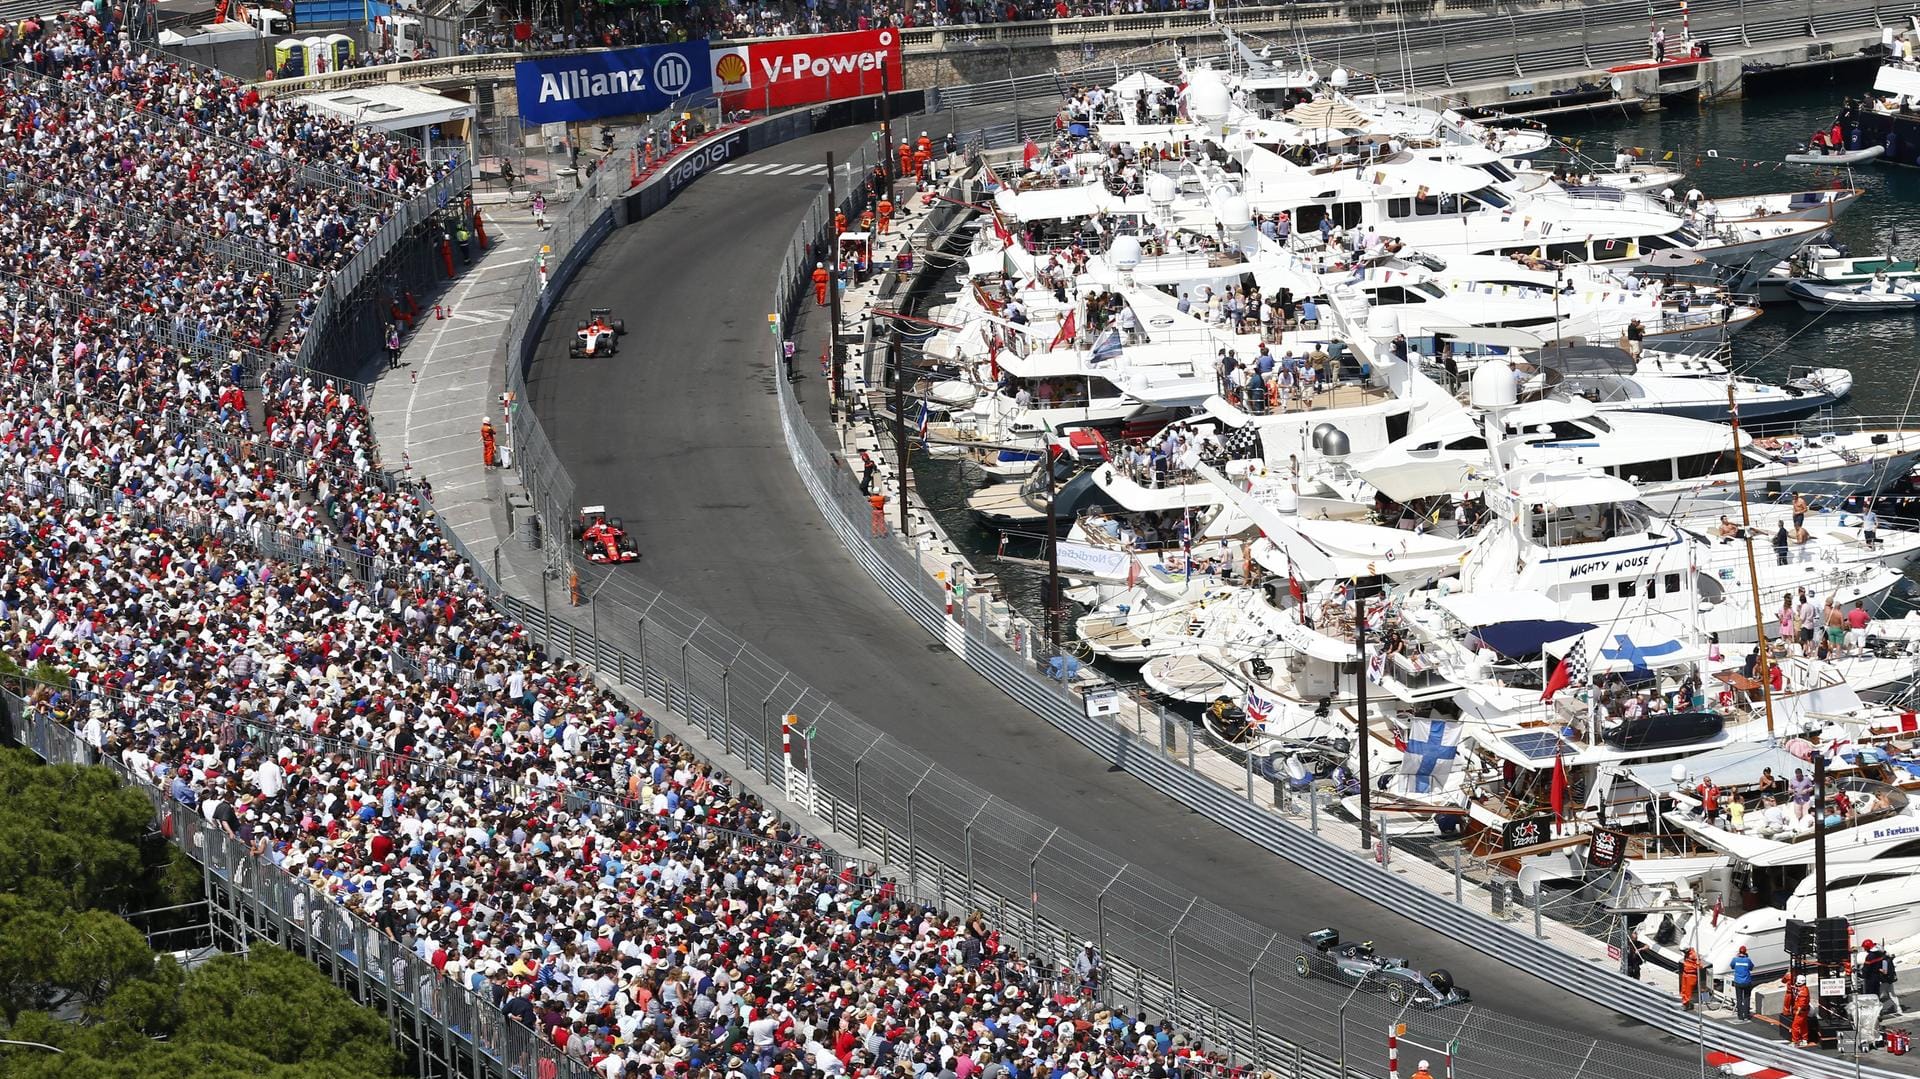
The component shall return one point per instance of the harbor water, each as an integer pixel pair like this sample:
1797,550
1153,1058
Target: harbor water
1728,149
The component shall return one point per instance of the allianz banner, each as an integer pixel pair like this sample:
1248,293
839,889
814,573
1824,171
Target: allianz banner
620,82
807,70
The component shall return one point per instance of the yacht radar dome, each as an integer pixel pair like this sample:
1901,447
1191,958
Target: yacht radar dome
1125,253
1493,386
1207,98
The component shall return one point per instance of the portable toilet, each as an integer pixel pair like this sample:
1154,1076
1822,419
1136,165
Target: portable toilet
290,58
317,62
340,50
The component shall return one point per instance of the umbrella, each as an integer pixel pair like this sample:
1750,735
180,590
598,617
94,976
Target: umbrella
1327,114
1139,81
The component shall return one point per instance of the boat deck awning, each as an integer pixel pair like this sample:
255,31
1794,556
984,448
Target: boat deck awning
1486,608
1736,765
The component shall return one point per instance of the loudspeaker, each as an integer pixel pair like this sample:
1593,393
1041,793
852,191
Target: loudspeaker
1799,936
1830,939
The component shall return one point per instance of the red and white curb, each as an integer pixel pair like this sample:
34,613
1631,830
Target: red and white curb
1733,1065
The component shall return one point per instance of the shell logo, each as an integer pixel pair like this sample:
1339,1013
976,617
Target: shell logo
731,68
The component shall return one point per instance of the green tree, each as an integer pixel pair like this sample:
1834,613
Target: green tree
277,1005
98,953
29,949
69,836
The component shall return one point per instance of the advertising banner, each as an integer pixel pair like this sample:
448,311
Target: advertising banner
620,82
1087,560
806,70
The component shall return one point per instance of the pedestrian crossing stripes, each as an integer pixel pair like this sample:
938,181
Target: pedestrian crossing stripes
786,168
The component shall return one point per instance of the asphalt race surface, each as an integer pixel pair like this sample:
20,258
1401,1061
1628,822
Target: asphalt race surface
680,434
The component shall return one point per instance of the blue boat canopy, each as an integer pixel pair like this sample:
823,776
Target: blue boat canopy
1527,637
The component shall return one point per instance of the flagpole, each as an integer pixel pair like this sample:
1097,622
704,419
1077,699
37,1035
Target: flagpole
1366,751
1753,566
900,426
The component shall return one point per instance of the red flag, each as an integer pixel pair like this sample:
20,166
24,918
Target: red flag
1293,588
1066,332
1028,153
1560,679
1557,797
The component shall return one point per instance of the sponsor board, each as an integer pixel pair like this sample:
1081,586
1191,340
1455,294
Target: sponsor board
618,82
1084,558
697,163
806,70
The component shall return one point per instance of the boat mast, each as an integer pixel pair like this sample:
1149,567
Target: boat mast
1753,566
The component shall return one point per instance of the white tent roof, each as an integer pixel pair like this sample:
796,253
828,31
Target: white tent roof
391,108
1139,81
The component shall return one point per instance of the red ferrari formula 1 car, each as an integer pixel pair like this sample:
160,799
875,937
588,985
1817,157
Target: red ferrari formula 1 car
602,539
598,335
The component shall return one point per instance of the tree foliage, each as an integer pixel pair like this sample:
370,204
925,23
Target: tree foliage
70,837
74,976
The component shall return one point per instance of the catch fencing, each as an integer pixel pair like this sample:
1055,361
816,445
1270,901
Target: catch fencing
1226,980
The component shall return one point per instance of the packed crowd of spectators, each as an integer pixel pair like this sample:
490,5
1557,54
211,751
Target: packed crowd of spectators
245,611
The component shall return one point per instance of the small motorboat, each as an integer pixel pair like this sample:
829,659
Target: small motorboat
1819,265
1836,157
1877,295
1639,178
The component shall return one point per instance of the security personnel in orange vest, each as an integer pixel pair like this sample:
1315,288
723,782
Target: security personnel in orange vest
925,143
1689,979
866,221
1421,1072
1802,1029
886,214
839,222
920,158
821,278
489,449
906,158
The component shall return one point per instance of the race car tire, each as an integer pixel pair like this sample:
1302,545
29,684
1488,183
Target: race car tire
619,325
1301,966
1442,980
1396,994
